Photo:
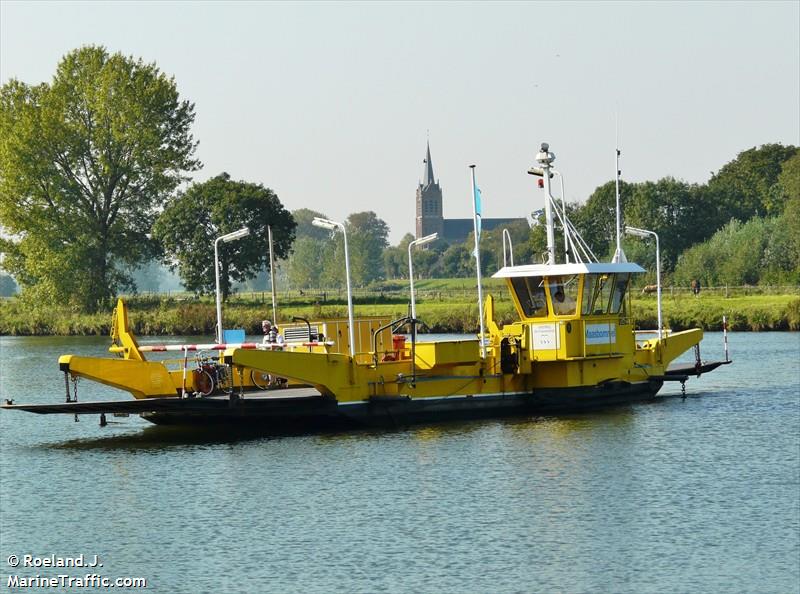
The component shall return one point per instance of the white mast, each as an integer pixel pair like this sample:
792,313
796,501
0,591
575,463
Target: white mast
545,158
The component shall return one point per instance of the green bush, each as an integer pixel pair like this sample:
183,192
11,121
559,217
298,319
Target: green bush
756,252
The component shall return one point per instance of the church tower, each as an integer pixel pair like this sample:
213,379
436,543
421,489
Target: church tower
429,202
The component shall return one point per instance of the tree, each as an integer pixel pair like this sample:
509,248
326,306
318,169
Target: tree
149,276
366,238
193,220
84,162
789,181
677,211
303,218
741,253
457,261
743,188
426,262
596,220
395,258
492,244
305,266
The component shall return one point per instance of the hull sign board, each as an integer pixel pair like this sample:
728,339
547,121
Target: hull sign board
545,337
601,333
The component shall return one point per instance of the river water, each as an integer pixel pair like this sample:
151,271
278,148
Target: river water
682,495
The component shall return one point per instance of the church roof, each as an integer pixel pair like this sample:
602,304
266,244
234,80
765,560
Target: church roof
427,178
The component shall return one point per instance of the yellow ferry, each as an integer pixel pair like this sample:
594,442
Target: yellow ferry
573,346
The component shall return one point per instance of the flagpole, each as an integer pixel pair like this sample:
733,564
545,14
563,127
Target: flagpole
475,214
272,277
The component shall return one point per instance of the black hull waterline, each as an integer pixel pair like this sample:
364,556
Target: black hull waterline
305,410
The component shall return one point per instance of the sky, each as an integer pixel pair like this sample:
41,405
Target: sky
331,104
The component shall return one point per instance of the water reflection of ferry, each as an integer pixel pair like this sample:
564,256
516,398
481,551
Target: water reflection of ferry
573,346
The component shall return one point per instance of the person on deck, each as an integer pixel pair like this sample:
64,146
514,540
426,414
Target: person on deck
274,340
272,334
269,335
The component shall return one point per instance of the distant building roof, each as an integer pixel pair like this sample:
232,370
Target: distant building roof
459,229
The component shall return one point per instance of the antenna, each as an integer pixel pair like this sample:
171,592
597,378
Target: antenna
619,255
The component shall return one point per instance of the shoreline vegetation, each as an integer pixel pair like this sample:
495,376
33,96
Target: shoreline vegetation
445,306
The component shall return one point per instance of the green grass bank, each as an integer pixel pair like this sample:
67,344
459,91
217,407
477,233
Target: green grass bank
454,310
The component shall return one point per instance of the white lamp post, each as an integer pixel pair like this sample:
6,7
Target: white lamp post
420,241
243,232
507,237
333,225
644,233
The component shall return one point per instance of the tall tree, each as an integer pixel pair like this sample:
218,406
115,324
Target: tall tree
192,221
84,162
367,238
596,219
305,265
789,181
458,261
305,228
679,212
395,258
743,188
426,262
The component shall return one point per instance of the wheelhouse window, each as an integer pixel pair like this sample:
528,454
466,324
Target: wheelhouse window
602,294
564,294
618,293
531,295
589,286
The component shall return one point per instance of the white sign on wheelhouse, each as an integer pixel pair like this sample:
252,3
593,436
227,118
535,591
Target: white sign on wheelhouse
601,333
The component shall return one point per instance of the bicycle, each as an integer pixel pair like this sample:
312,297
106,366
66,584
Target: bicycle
211,376
266,381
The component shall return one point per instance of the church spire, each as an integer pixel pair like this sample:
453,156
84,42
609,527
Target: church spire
427,178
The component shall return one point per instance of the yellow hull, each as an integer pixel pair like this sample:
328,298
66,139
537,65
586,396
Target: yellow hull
513,363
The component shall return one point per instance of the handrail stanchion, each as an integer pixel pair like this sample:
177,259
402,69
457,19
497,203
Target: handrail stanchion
185,363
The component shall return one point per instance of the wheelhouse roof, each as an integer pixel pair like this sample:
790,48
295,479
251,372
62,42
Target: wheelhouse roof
565,269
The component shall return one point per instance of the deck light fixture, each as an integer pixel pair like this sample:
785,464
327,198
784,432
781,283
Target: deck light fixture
333,225
324,223
420,241
227,238
644,234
